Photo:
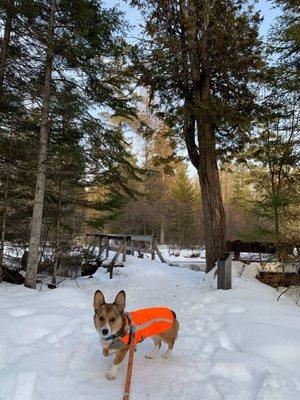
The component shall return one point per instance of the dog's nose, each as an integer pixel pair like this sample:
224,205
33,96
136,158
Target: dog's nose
104,331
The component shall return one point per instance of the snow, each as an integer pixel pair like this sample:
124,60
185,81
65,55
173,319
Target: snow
182,255
239,344
13,251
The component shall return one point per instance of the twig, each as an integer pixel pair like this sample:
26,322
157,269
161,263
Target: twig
242,270
293,281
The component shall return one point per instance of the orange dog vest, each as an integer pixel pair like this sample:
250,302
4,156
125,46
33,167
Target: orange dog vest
149,322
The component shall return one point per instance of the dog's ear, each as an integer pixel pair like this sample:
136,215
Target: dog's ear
99,299
120,301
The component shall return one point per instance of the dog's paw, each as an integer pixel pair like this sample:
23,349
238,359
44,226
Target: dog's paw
167,354
111,375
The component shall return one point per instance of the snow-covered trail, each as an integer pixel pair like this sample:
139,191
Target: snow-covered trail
239,344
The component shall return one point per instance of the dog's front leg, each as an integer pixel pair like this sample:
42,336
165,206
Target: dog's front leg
106,351
113,372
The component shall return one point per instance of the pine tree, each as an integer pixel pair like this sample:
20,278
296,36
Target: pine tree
8,16
80,43
14,73
238,201
182,212
201,58
273,159
17,153
285,39
61,105
147,214
38,204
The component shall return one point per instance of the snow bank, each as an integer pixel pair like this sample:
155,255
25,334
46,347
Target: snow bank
234,345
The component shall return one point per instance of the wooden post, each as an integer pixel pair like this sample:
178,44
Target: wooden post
153,249
160,256
224,272
107,246
132,247
99,246
140,254
110,270
236,256
113,261
124,249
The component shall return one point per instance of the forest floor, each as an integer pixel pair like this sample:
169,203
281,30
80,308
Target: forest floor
239,344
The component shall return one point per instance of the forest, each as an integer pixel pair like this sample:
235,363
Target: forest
189,131
149,189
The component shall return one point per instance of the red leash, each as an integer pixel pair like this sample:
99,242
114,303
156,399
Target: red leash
130,363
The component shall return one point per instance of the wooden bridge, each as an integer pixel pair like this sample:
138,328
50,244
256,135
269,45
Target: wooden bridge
126,244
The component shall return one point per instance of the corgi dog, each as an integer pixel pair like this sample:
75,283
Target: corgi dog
114,325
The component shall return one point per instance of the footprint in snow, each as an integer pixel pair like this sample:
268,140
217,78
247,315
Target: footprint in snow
20,312
237,372
225,342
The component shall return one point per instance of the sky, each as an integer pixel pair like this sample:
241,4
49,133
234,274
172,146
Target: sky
268,11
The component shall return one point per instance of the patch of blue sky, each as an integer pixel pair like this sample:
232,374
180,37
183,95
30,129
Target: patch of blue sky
268,11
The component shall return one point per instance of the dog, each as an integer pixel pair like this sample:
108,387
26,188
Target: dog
113,325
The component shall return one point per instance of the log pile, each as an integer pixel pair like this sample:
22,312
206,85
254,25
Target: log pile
276,279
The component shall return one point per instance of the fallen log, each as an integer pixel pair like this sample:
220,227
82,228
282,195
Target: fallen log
12,276
276,279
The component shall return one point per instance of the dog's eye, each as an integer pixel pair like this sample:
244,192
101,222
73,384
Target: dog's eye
101,318
112,319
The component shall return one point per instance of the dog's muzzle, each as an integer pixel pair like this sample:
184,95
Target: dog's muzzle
104,334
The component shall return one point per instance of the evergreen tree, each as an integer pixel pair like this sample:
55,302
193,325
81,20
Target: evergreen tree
77,42
17,161
182,212
273,159
285,39
13,54
15,71
8,18
238,202
201,58
38,204
146,214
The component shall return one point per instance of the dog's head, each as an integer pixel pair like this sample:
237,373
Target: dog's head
108,317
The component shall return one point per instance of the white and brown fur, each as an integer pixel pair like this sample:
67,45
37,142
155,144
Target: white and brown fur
109,319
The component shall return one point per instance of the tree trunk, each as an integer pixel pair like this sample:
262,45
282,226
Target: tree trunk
57,235
3,59
212,205
213,209
3,227
4,217
5,41
275,193
162,216
162,230
276,218
37,215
